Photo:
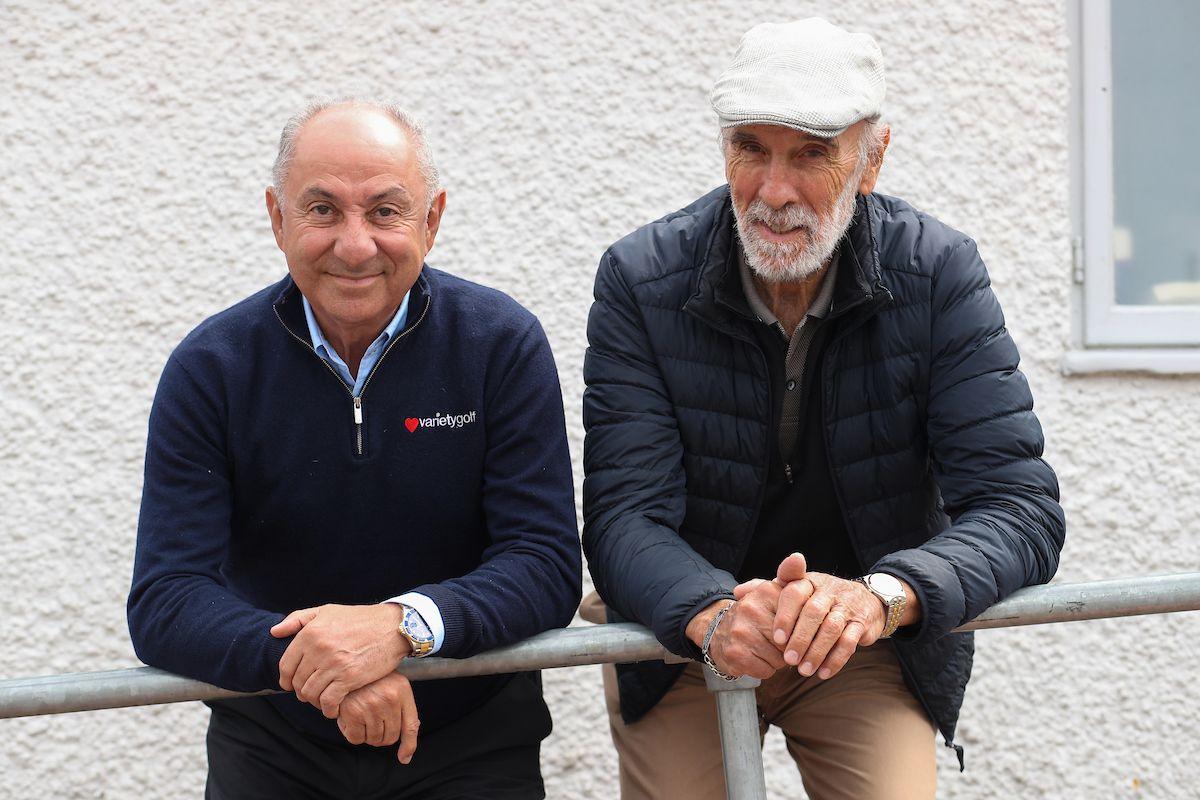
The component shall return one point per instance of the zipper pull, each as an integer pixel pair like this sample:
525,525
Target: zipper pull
358,411
787,471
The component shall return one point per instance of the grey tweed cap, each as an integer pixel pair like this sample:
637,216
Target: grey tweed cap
808,75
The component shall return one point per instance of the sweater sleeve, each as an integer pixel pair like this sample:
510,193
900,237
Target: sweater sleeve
1007,528
530,576
634,494
182,616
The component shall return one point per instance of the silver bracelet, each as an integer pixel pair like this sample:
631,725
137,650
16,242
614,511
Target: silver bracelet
708,635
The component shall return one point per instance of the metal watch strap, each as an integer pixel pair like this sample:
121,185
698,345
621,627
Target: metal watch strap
420,649
708,635
894,606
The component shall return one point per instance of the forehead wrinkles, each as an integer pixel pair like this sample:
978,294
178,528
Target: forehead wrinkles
348,181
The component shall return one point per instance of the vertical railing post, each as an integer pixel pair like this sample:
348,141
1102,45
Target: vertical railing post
741,745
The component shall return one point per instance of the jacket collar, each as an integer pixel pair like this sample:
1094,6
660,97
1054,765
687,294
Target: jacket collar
717,296
289,305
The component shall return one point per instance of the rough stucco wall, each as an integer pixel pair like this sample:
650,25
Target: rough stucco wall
136,140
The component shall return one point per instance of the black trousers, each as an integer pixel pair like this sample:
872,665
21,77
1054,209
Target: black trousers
493,753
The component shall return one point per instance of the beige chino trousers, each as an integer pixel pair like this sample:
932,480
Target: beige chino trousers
861,735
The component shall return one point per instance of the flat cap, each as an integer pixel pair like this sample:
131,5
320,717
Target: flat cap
808,75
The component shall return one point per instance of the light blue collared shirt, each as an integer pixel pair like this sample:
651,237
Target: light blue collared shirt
423,604
374,351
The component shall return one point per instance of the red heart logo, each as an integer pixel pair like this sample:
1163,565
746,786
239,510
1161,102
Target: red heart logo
411,423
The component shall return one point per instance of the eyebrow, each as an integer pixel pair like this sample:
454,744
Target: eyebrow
391,193
397,192
741,137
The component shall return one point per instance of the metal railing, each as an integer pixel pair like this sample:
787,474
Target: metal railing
623,643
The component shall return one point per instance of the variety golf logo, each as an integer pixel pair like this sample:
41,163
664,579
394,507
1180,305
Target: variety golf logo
439,420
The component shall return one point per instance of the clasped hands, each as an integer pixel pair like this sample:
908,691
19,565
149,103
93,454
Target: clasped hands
808,620
343,661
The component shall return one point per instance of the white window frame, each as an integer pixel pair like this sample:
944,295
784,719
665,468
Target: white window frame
1156,338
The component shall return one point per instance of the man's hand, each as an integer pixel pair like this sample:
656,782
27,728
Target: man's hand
822,619
339,649
742,643
380,714
837,618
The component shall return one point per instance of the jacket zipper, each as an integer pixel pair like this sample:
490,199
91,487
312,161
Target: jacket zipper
356,400
826,401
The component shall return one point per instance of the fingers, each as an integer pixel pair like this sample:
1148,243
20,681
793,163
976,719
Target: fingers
742,646
391,731
829,631
791,600
293,622
743,589
311,687
847,643
374,725
330,698
353,729
288,664
792,568
409,727
810,619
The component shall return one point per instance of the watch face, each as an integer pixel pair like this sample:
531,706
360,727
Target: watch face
415,627
885,584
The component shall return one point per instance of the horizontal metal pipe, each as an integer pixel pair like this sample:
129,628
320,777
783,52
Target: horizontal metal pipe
593,644
144,686
1074,602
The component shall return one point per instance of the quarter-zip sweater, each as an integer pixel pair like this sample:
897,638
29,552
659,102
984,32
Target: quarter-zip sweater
269,488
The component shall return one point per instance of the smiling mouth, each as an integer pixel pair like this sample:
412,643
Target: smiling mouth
355,280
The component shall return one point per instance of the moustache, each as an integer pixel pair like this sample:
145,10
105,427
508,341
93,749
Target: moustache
782,220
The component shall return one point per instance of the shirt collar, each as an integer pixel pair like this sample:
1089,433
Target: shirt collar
820,305
318,336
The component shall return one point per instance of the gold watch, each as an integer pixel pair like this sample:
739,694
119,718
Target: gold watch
890,592
414,628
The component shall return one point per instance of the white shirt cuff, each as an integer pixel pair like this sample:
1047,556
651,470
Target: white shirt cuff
429,612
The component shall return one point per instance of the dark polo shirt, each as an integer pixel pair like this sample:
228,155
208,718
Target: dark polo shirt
799,511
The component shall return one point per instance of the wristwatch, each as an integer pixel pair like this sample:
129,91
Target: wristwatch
414,628
891,593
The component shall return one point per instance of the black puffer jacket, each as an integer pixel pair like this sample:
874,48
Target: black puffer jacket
933,446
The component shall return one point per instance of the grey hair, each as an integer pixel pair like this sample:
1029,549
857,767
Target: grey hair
287,142
872,141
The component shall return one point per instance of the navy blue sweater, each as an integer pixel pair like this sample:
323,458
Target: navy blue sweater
263,495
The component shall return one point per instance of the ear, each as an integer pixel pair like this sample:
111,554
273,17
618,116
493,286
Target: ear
275,212
871,173
434,219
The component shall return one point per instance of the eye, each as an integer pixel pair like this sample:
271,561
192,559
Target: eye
322,209
388,214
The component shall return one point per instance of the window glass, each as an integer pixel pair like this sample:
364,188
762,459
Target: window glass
1156,165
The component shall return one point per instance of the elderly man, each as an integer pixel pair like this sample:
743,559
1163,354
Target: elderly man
807,387
378,448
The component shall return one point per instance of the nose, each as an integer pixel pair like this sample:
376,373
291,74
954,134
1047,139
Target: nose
779,186
355,243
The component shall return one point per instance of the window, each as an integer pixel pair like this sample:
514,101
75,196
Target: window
1138,177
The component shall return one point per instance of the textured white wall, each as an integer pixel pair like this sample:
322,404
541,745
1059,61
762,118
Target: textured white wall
136,139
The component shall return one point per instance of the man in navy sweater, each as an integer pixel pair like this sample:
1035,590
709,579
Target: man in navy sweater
365,462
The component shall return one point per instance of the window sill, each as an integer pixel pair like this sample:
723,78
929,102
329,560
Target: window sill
1182,361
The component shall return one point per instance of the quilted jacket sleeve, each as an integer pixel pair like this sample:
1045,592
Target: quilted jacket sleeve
634,490
985,445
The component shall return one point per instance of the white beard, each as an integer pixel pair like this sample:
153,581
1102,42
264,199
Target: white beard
773,262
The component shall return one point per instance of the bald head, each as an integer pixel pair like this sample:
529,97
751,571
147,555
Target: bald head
365,126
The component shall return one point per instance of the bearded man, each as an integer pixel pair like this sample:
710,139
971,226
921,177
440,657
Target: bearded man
807,387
